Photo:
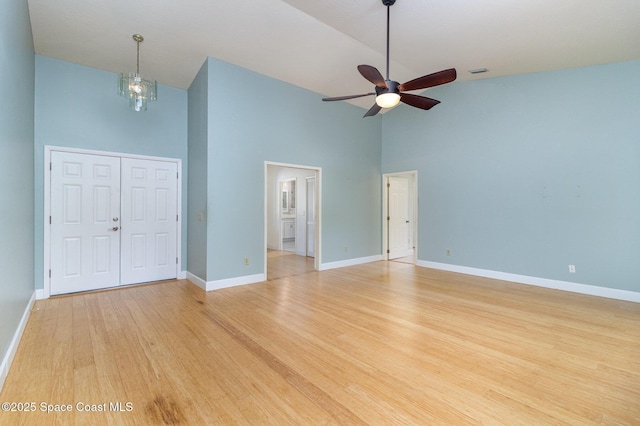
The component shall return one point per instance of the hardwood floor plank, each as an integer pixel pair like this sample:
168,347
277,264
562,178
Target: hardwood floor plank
385,342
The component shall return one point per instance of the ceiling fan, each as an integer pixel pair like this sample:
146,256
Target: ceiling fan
389,93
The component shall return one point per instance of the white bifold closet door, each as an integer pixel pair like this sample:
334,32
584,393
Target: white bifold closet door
113,221
149,221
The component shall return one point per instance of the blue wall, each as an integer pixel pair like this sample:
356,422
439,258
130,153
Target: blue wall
198,139
16,173
79,107
253,119
528,174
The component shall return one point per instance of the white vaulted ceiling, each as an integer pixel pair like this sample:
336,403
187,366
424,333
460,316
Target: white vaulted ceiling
317,44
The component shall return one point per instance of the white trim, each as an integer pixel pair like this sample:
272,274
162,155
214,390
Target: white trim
45,292
350,262
225,283
306,240
611,293
182,275
46,212
194,279
109,154
179,214
13,346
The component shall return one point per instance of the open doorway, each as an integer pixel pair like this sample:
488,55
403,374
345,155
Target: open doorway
400,216
292,219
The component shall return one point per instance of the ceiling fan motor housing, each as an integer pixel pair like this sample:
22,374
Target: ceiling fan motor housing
388,2
392,87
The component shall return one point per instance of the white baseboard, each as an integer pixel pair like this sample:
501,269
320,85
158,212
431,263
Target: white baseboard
13,346
251,279
350,262
225,283
194,279
182,275
611,293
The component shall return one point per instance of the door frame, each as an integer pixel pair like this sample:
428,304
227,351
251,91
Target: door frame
413,193
46,279
306,242
318,196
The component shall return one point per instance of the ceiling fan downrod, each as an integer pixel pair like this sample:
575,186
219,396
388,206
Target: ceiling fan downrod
388,3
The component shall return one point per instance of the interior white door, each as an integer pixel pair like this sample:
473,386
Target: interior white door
311,216
149,220
398,212
85,235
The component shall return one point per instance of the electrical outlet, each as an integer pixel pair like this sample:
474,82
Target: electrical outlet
448,252
200,217
246,260
572,269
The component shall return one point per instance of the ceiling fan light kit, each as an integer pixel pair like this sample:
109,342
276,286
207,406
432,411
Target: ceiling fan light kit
135,87
388,100
389,93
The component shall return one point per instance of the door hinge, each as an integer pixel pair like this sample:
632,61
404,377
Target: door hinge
49,220
49,273
388,185
177,175
50,167
388,217
388,251
176,260
177,219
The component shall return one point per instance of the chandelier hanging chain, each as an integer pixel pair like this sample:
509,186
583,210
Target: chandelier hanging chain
138,60
139,39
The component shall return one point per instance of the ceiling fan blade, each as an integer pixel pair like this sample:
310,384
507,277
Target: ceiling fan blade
343,98
435,79
373,75
373,111
421,102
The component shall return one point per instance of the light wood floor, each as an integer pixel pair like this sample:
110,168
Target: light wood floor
382,343
281,264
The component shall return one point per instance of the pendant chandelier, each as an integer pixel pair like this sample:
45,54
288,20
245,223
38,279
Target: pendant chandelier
135,87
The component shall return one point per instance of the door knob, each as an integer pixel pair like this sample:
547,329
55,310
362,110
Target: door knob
115,219
115,228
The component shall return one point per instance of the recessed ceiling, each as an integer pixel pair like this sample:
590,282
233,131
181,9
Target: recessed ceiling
318,44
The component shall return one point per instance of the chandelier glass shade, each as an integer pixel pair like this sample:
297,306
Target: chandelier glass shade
135,87
138,90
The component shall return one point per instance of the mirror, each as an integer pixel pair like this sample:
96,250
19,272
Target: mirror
285,200
288,196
